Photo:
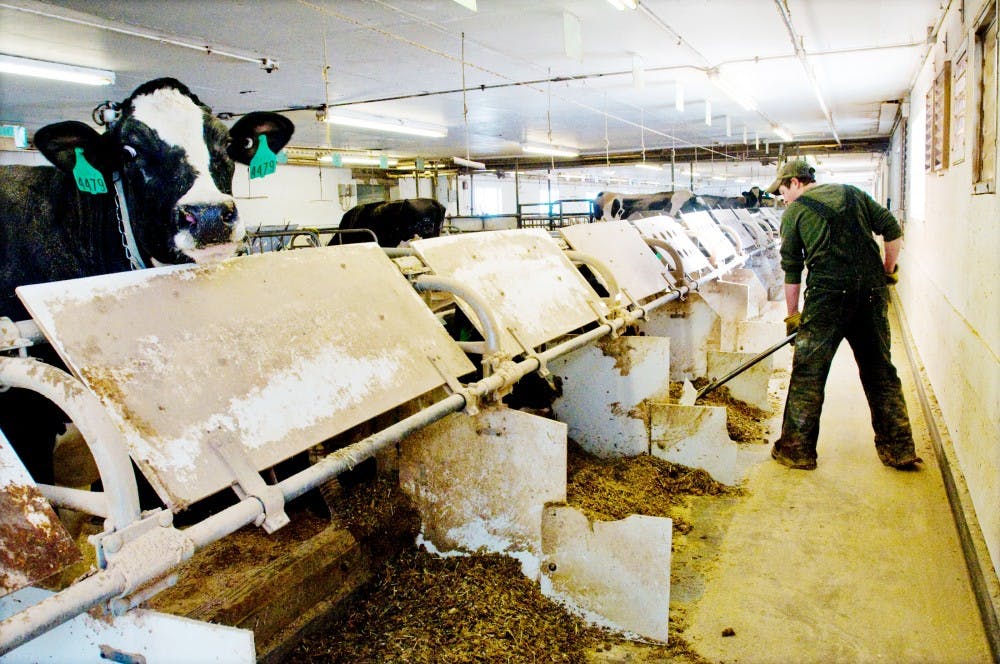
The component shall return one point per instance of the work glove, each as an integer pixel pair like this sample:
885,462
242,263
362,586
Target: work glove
892,278
792,323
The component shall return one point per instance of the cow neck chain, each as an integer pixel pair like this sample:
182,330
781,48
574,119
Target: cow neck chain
125,226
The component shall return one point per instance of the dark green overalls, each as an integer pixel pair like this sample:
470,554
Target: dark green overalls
846,298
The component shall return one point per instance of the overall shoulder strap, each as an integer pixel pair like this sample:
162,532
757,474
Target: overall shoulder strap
822,209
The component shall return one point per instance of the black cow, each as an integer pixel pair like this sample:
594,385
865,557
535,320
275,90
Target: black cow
393,222
610,205
174,161
723,202
752,198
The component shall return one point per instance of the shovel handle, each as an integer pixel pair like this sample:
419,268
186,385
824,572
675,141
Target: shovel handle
746,365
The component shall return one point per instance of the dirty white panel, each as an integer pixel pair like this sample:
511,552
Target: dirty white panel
523,275
276,351
692,326
480,482
619,245
616,573
695,436
33,542
668,230
605,389
720,249
138,636
749,386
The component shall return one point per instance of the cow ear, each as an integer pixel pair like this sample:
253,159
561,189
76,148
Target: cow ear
58,143
244,136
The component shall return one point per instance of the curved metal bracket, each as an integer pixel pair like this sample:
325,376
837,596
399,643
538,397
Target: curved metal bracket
106,443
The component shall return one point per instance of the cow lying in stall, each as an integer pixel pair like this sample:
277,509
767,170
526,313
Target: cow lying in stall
393,222
171,162
609,205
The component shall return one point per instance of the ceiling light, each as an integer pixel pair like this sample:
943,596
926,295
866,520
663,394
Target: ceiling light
649,166
468,163
782,133
386,124
55,71
355,160
552,150
623,4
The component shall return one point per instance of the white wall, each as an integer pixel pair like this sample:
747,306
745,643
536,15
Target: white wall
301,195
949,273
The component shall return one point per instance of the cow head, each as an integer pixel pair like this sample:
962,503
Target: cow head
176,162
427,216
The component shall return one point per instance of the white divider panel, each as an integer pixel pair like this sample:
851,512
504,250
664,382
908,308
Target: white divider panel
668,230
772,217
523,275
729,219
33,542
757,221
720,249
619,245
276,352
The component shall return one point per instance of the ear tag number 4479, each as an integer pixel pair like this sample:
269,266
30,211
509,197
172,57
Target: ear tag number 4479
88,179
264,161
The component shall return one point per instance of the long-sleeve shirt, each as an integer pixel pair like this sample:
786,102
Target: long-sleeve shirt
839,249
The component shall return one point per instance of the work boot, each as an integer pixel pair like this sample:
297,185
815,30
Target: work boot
796,462
901,460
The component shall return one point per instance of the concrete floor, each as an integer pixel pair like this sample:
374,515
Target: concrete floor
851,562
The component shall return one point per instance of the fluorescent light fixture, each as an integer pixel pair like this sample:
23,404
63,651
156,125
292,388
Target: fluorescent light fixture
386,124
551,150
468,163
649,166
468,4
55,71
621,5
732,90
679,97
355,160
708,112
782,133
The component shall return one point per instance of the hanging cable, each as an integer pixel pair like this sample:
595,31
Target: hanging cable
465,105
607,142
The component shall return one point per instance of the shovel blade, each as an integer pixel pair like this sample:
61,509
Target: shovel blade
689,394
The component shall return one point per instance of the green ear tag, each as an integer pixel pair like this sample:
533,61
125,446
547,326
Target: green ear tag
264,162
88,179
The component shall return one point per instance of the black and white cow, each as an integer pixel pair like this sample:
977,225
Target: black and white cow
393,222
173,162
610,205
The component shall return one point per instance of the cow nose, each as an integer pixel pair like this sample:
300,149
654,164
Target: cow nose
207,223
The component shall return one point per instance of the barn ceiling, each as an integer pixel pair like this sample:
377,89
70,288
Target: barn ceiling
575,73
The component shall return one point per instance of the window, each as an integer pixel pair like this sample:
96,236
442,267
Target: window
958,106
938,111
984,166
488,199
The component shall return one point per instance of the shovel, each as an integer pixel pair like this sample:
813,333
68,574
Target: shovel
689,395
